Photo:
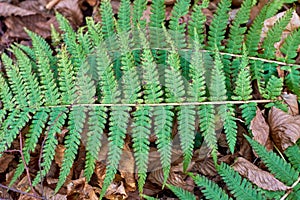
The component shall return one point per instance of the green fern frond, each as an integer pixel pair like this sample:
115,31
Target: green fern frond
140,138
57,117
207,125
240,188
157,18
293,153
210,189
186,131
6,95
163,127
292,80
218,26
94,32
84,42
290,46
148,197
273,88
139,6
124,16
36,128
96,123
226,112
217,88
197,23
236,34
107,17
248,112
66,77
180,9
277,166
119,118
181,193
274,35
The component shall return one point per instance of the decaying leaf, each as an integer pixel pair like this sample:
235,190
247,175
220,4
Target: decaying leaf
261,178
7,10
260,130
5,159
116,190
285,128
80,189
292,101
126,168
59,154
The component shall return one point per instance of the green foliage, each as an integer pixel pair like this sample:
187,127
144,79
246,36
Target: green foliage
181,193
99,77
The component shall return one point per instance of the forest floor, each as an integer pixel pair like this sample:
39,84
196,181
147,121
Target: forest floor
37,16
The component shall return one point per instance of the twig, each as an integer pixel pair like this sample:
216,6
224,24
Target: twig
51,4
290,190
21,192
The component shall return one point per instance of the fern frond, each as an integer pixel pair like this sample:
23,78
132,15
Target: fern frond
140,138
124,16
240,188
107,18
277,166
218,26
207,125
57,117
197,23
248,112
290,46
226,112
6,96
293,153
66,77
292,80
139,6
69,37
236,34
94,32
186,131
274,35
84,42
163,128
157,18
30,80
47,80
16,81
210,189
180,9
181,193
96,124
119,119
36,128
148,197
274,87
217,88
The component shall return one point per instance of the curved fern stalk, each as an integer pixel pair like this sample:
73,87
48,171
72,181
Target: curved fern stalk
218,26
69,37
277,166
210,189
57,117
290,46
180,9
293,153
236,34
240,188
94,32
181,193
197,23
85,92
274,35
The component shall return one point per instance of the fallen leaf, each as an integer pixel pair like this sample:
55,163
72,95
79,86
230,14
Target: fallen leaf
126,168
259,177
260,130
5,159
7,10
59,154
70,9
285,128
80,189
116,191
292,101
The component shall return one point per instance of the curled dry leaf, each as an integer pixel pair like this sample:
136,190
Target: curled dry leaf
80,189
260,130
292,101
285,128
261,178
116,190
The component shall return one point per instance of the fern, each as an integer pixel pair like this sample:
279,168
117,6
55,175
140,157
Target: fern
292,153
181,193
209,188
289,47
281,169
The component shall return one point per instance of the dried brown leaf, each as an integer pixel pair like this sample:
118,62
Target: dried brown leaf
292,101
59,154
80,189
70,9
260,129
7,10
285,128
259,177
5,159
116,191
126,168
